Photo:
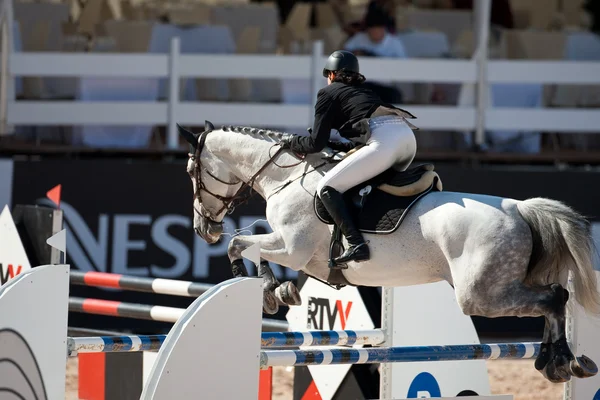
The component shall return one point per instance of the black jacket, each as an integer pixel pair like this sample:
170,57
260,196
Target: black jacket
339,106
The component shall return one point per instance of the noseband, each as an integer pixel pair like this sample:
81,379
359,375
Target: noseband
229,203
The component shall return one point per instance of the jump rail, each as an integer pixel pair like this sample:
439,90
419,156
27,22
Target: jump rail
144,311
273,358
139,284
127,343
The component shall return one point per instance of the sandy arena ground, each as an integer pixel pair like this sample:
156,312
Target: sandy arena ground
516,377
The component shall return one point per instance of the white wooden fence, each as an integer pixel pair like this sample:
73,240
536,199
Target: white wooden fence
478,71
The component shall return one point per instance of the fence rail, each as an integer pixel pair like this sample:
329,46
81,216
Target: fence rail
174,66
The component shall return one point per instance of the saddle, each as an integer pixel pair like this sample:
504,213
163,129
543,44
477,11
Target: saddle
379,205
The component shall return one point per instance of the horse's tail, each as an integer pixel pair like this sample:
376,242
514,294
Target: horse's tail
561,239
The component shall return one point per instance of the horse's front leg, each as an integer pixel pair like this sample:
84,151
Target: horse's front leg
272,248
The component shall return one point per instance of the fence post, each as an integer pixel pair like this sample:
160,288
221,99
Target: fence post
316,68
173,101
387,326
7,86
482,11
3,70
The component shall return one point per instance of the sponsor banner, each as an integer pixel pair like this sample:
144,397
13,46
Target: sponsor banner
136,219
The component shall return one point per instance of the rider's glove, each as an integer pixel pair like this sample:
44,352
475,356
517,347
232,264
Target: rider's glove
286,140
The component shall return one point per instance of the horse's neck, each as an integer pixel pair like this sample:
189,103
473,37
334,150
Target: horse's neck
246,154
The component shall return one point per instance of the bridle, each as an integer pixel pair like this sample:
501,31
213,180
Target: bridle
239,197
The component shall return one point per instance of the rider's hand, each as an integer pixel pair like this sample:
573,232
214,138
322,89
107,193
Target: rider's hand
286,140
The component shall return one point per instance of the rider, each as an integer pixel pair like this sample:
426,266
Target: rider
359,115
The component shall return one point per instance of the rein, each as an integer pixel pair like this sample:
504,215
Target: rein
229,203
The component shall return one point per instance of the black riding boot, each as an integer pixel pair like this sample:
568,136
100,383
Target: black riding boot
358,249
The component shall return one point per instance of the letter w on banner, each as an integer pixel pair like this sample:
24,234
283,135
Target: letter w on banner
343,314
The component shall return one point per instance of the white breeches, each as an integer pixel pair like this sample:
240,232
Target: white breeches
391,142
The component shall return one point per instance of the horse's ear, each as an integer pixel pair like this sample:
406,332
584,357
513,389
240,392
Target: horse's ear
208,126
190,137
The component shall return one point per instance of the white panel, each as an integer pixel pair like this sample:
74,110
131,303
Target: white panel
584,336
553,120
245,66
247,114
292,66
99,113
103,64
33,332
442,118
444,324
554,72
214,347
148,361
240,66
415,70
189,113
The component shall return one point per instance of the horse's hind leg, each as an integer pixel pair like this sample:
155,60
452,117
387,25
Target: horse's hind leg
498,299
545,347
554,349
555,358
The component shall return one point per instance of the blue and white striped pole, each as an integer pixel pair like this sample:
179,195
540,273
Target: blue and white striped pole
110,344
322,338
273,358
113,344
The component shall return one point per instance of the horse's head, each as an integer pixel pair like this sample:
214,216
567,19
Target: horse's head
212,182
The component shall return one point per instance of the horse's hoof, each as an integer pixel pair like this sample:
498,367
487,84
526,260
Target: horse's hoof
583,367
542,359
558,370
288,294
270,282
554,375
270,305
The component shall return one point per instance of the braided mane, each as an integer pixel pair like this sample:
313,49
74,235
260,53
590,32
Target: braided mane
257,132
268,134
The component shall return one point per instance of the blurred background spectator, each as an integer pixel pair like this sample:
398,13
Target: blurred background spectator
378,41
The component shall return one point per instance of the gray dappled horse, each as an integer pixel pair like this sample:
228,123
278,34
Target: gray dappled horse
503,257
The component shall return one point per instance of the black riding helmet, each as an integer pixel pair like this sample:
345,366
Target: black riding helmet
341,60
